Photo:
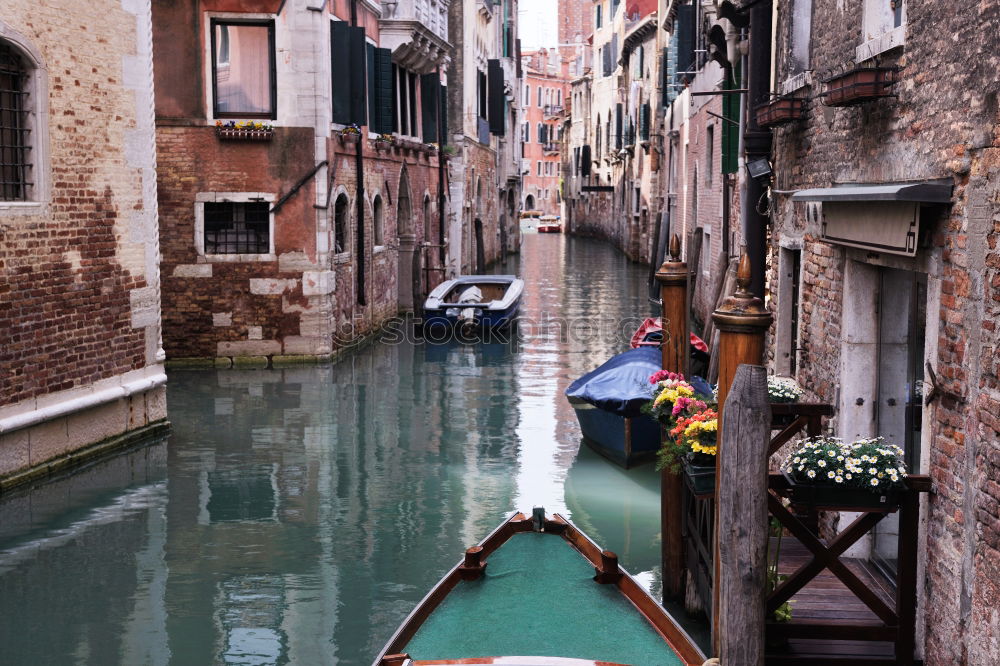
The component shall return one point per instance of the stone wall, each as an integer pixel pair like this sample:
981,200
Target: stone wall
942,124
79,275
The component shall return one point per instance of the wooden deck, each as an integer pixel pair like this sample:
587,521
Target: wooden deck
827,600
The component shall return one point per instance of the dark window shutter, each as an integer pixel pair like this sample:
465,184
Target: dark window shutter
644,122
543,134
520,72
385,94
394,86
585,160
356,44
606,56
444,115
497,104
371,69
685,42
618,126
340,67
411,79
430,91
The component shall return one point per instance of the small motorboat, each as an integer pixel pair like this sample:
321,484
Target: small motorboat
608,400
481,301
549,224
539,602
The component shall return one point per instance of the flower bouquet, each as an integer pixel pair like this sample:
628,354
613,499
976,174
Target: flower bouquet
691,424
867,466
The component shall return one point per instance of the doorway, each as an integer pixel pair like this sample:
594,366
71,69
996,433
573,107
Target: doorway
480,250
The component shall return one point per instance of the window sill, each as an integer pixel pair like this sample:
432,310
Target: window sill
795,83
21,208
236,258
342,258
881,44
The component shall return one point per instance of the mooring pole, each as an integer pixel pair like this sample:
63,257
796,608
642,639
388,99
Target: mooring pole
673,279
742,321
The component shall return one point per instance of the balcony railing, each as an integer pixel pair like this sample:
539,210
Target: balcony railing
552,110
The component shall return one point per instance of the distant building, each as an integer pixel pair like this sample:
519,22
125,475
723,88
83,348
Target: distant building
484,114
81,364
545,95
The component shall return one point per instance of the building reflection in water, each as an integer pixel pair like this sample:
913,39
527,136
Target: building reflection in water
296,515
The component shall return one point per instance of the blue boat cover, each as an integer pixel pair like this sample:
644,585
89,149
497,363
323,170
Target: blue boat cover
621,385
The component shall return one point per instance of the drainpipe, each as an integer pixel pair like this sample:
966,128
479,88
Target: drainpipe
359,166
442,160
757,141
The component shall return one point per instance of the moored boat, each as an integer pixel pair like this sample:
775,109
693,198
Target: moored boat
608,401
485,301
549,224
539,602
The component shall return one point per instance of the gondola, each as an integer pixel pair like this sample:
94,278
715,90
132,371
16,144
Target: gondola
483,301
539,591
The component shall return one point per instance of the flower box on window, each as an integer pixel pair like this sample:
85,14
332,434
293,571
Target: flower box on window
350,135
859,85
779,111
243,131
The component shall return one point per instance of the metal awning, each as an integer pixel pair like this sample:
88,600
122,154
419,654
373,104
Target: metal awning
919,192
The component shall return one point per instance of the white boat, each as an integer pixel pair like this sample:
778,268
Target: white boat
486,301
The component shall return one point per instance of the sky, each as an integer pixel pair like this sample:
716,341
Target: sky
538,23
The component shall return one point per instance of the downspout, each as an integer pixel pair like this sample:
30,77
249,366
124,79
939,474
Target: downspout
359,165
757,142
442,161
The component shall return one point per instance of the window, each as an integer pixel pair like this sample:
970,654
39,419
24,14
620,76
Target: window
539,96
340,222
709,154
481,92
597,20
541,133
527,94
378,232
539,167
706,254
237,227
597,137
406,102
526,133
787,329
15,133
243,69
883,27
558,97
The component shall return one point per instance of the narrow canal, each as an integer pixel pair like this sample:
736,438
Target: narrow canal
297,515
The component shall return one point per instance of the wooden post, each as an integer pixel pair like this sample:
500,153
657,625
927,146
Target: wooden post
742,531
742,321
673,279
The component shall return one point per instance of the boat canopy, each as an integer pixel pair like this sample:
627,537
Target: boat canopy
621,385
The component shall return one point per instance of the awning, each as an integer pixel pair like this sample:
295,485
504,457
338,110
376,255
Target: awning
920,192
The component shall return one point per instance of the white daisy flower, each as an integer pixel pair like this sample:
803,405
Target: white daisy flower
811,474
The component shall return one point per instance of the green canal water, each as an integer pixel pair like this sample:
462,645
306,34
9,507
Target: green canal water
296,516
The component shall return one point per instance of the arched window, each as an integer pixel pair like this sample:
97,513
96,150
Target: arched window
378,234
340,221
23,139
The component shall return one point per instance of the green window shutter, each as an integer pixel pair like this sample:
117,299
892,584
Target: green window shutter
430,92
496,100
340,70
384,92
444,115
686,17
373,114
644,122
358,74
730,126
618,126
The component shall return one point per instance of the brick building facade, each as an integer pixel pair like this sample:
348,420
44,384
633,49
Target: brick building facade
267,251
880,320
80,359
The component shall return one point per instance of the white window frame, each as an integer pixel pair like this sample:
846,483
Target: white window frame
878,34
201,198
37,122
209,92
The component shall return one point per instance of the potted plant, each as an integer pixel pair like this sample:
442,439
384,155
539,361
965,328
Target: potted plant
691,425
695,437
779,111
859,85
384,141
243,130
783,389
350,135
826,472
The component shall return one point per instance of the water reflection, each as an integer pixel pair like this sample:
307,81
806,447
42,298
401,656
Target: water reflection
295,516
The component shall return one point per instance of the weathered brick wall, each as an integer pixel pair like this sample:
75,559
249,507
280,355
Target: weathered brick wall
942,124
71,267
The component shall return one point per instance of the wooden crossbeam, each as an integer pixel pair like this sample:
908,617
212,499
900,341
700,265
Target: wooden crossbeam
827,557
786,435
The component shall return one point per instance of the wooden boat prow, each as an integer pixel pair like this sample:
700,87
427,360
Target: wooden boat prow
607,570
